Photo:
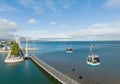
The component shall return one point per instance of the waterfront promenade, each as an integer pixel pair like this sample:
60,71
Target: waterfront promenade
53,72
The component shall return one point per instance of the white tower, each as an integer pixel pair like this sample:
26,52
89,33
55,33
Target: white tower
17,38
26,49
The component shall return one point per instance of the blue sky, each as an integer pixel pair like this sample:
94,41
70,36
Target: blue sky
67,19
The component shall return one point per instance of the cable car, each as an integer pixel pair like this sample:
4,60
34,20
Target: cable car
69,50
93,59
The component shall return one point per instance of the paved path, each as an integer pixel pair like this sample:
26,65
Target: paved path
53,72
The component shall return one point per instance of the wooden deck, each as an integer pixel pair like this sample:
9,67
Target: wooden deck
53,72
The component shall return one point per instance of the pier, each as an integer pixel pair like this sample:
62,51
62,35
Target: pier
53,72
30,49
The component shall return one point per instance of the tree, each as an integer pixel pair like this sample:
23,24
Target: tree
14,49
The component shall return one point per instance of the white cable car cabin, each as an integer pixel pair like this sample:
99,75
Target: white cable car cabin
69,50
93,59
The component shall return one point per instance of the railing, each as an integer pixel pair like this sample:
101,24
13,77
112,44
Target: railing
53,72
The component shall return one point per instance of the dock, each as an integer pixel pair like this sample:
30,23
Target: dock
53,72
30,49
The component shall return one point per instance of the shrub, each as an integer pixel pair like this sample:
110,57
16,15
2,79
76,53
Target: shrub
14,49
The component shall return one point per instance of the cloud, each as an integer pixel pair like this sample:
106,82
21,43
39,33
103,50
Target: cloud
38,32
64,25
66,4
7,36
52,23
100,25
61,35
112,3
96,32
32,21
39,6
45,6
101,31
57,36
38,10
7,26
118,24
7,8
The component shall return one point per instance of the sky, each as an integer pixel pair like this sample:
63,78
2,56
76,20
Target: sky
82,20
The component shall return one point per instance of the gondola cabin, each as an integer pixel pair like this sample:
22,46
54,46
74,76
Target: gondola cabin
69,50
93,59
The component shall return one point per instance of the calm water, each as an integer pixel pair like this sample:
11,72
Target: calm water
25,72
54,54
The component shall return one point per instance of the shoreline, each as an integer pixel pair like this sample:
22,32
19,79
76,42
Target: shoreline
4,51
13,59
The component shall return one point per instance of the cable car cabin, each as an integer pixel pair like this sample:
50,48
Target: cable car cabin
69,50
93,60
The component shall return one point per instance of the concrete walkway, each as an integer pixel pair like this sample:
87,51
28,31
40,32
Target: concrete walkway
53,72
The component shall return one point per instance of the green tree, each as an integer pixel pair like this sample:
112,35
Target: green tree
14,49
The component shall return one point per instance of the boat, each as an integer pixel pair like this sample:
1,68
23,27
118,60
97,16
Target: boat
93,59
69,50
